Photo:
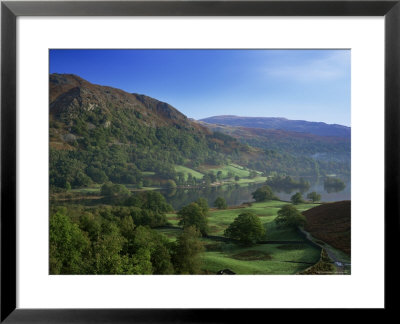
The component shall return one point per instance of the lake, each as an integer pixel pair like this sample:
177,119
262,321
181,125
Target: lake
236,195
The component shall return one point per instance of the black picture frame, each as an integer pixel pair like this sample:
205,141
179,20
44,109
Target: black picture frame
10,10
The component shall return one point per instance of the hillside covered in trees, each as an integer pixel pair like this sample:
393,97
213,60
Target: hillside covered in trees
296,153
100,134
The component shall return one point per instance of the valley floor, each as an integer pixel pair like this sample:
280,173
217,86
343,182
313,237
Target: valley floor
284,251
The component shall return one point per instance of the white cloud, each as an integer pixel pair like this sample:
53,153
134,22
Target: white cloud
334,66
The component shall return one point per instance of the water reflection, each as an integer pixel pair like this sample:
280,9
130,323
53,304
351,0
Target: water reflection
328,194
233,194
236,195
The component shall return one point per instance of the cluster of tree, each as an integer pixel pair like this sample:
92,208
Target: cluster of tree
110,189
263,194
209,178
247,229
281,182
289,216
253,174
220,203
232,193
195,214
98,243
333,184
297,198
313,196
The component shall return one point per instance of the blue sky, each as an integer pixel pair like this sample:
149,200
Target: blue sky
309,85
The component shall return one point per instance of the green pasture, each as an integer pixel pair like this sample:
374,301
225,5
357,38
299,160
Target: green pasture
186,170
261,259
258,259
257,179
95,188
170,233
172,219
235,169
148,173
219,220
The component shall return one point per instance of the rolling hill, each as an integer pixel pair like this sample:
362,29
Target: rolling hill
300,126
288,141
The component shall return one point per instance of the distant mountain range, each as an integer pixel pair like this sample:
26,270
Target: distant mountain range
301,126
316,146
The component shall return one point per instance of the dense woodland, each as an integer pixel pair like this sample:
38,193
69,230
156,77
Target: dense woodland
119,239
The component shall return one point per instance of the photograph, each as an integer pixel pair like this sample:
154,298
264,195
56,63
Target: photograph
199,162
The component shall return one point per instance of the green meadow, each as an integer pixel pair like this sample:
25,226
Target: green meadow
236,170
186,171
291,256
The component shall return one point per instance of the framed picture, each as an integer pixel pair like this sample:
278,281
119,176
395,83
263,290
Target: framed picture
142,137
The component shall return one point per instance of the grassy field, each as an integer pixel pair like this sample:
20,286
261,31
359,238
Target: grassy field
260,259
257,179
185,170
95,188
148,173
236,170
284,258
219,220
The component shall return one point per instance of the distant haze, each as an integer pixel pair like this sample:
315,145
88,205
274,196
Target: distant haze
302,126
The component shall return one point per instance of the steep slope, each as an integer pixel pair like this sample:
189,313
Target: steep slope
99,133
301,126
72,97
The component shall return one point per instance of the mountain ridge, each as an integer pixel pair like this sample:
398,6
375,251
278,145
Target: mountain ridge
281,123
